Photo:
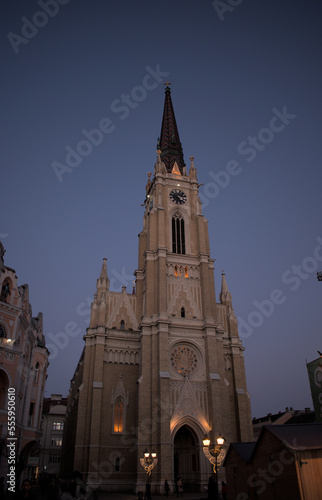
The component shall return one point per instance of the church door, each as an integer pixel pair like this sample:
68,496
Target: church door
186,459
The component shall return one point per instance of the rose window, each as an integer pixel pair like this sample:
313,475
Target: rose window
183,359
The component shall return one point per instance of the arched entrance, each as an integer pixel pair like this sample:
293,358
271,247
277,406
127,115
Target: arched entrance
187,458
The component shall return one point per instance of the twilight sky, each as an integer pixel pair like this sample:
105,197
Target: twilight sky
246,88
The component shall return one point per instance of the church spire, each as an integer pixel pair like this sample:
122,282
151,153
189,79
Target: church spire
169,142
225,295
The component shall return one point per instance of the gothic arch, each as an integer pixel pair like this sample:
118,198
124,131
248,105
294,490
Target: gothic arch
120,402
193,425
119,415
187,450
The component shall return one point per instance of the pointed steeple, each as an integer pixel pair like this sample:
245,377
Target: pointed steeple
225,295
104,270
169,142
99,305
103,283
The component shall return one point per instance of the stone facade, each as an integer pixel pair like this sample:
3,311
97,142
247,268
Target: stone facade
23,372
162,366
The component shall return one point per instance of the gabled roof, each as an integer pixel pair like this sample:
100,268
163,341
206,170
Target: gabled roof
297,437
169,142
245,450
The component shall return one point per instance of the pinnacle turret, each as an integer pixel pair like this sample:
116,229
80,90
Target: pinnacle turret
225,295
103,283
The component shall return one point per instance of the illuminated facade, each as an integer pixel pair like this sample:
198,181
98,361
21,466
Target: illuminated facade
23,368
162,366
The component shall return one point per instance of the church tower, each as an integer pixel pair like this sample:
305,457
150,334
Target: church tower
163,366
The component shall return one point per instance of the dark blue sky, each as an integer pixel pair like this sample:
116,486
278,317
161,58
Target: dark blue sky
246,88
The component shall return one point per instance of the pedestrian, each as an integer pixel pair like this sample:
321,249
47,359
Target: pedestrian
66,492
211,489
180,488
166,488
2,490
224,490
25,491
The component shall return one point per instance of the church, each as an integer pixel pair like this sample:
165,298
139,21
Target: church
163,365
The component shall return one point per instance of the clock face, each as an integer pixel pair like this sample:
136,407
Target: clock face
178,197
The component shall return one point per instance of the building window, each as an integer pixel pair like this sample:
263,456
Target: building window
183,312
56,441
178,234
3,333
36,373
6,290
118,415
122,325
4,384
186,272
58,426
31,413
54,458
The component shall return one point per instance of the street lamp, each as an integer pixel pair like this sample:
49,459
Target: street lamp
149,462
215,455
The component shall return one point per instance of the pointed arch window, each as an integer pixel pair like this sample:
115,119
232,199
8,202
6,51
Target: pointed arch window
183,312
118,415
6,290
36,373
4,385
178,234
122,325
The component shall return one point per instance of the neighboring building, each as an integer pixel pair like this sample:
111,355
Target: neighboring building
289,416
314,369
23,368
163,366
284,463
52,426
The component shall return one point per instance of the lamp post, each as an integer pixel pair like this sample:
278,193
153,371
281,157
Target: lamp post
149,462
215,455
